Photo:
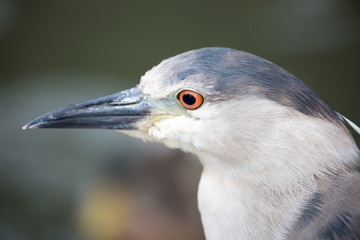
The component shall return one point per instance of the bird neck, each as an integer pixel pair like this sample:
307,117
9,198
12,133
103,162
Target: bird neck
257,191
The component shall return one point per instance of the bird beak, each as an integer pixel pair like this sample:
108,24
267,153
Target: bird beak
120,111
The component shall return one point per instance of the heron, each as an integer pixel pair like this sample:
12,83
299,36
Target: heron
278,161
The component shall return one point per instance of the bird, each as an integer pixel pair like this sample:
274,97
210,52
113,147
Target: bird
278,161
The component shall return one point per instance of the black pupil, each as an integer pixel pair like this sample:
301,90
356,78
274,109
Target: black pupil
189,99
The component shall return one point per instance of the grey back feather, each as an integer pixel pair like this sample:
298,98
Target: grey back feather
333,212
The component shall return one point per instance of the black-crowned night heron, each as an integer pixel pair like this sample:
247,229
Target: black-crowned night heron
278,161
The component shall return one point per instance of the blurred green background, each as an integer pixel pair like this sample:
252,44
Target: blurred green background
53,53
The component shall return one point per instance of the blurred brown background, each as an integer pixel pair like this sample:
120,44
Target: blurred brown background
82,184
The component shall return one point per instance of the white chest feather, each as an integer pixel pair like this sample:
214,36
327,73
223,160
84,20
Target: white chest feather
231,210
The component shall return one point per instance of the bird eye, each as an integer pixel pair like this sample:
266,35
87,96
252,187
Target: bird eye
190,99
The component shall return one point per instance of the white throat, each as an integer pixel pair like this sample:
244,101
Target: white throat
260,194
260,169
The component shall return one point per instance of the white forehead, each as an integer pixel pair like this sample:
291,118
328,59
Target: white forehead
159,81
154,83
185,70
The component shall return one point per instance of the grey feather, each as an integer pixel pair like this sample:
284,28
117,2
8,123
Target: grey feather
229,73
333,212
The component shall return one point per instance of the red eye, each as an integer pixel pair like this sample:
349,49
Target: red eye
190,99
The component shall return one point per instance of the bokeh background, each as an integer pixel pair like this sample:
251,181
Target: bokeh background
82,184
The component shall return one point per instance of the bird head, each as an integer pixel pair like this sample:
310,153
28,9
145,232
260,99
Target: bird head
201,101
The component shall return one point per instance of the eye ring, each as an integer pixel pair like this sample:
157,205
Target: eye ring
190,99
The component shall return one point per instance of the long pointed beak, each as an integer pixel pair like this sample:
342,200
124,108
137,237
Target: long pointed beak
116,111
